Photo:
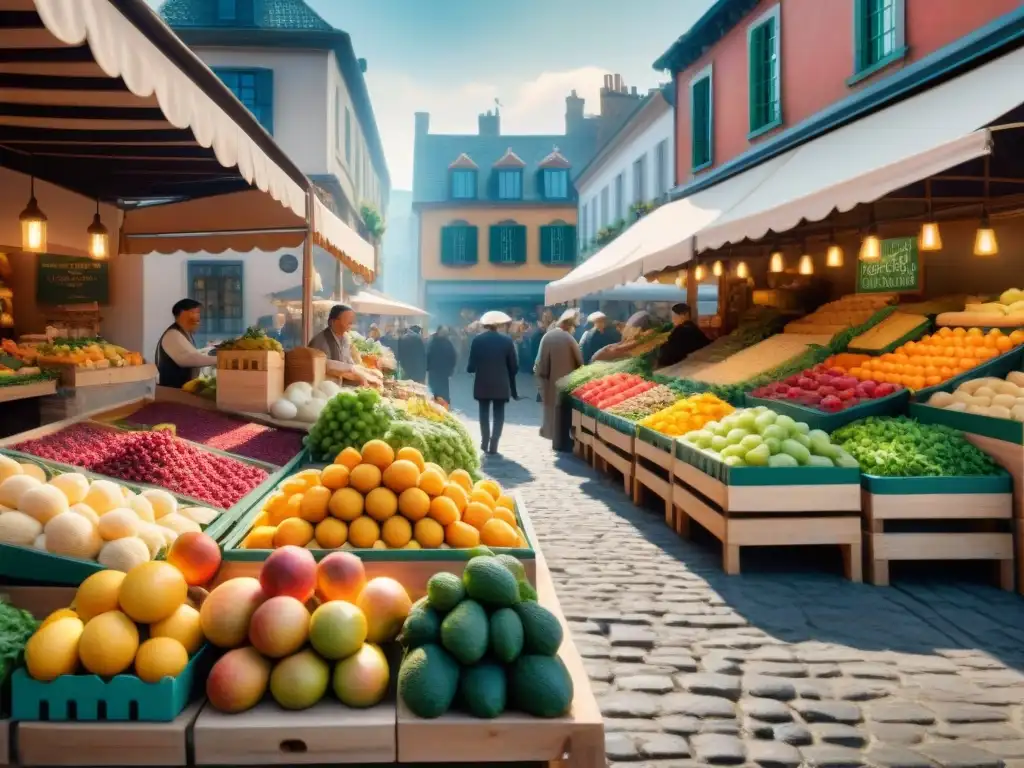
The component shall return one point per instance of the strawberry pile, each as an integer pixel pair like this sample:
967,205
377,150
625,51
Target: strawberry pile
611,390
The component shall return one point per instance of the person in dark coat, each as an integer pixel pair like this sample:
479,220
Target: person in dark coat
598,336
492,361
685,338
411,352
441,360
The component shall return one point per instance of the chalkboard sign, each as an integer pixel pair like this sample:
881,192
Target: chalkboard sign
71,280
898,271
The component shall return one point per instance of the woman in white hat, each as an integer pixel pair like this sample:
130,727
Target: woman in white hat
492,361
598,336
559,356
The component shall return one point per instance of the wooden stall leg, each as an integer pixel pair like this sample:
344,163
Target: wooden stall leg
627,484
878,570
853,559
682,523
638,492
670,517
730,559
585,750
1005,574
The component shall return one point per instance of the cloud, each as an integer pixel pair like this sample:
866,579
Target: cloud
535,106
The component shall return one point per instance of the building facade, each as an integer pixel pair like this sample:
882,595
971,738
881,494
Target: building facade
497,214
630,174
753,73
301,79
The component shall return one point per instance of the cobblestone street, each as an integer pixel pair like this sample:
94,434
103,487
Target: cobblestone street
786,665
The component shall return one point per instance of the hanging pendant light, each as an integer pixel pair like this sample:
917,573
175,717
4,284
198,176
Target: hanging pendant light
871,246
985,242
742,270
698,273
99,237
680,280
834,254
806,265
777,262
33,224
717,269
930,238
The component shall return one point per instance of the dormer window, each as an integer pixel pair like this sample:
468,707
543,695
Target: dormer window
554,173
509,173
462,178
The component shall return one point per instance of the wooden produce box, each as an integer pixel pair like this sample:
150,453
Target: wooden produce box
768,506
967,518
328,733
75,377
654,455
305,364
13,392
584,428
249,381
573,741
613,448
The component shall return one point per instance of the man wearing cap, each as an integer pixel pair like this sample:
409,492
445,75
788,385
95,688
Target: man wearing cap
334,342
559,356
598,336
492,361
177,359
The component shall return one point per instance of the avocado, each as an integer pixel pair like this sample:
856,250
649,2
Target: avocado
514,566
464,632
422,626
479,551
540,686
526,591
490,582
482,690
542,632
445,591
506,635
428,680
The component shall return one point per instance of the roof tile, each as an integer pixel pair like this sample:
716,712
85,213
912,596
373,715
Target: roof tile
266,14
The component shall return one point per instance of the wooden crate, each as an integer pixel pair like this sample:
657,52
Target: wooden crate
25,391
305,364
573,741
75,377
327,734
584,435
249,381
769,515
614,449
1010,456
652,473
984,541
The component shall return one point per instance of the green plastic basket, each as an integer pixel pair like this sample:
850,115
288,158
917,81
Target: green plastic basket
747,476
657,439
891,405
940,486
1006,430
122,698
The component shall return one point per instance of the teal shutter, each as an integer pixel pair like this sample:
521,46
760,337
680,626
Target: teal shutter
756,55
447,245
519,243
265,98
494,248
860,35
569,237
471,234
546,234
700,130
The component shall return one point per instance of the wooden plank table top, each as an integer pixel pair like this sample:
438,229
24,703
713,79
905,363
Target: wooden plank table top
14,392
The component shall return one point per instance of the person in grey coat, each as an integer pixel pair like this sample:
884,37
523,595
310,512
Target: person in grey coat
492,361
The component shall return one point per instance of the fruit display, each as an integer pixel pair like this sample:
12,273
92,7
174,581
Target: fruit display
756,325
587,373
373,353
22,376
347,420
841,314
903,447
759,437
404,389
224,433
688,414
303,402
301,630
253,340
638,407
81,353
204,386
938,357
142,622
611,390
760,358
16,627
828,389
893,329
483,644
428,409
153,458
95,520
998,398
1007,311
380,498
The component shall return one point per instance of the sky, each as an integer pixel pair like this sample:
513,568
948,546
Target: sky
453,58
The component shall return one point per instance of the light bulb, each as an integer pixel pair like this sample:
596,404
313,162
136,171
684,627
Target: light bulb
742,271
698,273
871,248
33,228
717,268
777,263
806,265
985,243
99,239
834,256
930,238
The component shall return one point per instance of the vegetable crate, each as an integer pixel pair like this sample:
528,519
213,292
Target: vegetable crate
75,377
938,518
997,367
768,506
654,459
613,447
584,427
890,405
249,381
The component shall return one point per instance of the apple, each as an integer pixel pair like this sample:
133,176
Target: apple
832,404
846,394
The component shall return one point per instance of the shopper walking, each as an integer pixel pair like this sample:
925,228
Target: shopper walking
559,356
492,361
441,359
412,354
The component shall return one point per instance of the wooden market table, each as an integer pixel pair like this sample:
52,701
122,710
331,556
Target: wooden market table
25,391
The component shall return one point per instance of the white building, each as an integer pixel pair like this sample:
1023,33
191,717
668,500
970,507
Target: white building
634,166
301,79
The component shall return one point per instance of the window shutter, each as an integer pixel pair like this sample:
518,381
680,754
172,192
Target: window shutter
860,34
447,245
519,243
265,98
569,239
546,233
472,236
756,54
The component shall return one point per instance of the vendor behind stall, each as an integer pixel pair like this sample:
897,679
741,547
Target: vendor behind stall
685,338
177,359
598,336
334,342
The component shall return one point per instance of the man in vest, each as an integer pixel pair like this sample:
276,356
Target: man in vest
336,344
177,359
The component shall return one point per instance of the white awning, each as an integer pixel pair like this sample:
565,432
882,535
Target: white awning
861,162
661,239
373,303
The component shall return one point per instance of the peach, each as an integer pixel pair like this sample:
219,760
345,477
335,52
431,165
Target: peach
197,556
340,576
385,604
289,571
279,627
238,680
227,611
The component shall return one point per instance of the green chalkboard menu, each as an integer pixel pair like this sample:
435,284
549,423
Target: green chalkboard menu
898,271
71,280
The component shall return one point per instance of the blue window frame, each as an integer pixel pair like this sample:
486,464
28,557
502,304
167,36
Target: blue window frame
510,184
878,30
702,119
556,183
219,287
463,184
255,89
765,81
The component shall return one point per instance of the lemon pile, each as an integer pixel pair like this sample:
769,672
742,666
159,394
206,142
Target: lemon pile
687,415
379,499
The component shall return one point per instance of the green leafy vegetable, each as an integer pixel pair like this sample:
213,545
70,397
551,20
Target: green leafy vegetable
16,627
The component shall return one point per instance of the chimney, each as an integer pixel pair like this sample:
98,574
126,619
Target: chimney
490,123
573,113
617,102
422,123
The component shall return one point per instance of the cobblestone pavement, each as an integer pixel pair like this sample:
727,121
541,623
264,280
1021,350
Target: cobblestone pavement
782,666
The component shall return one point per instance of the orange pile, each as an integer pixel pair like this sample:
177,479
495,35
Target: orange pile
938,357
